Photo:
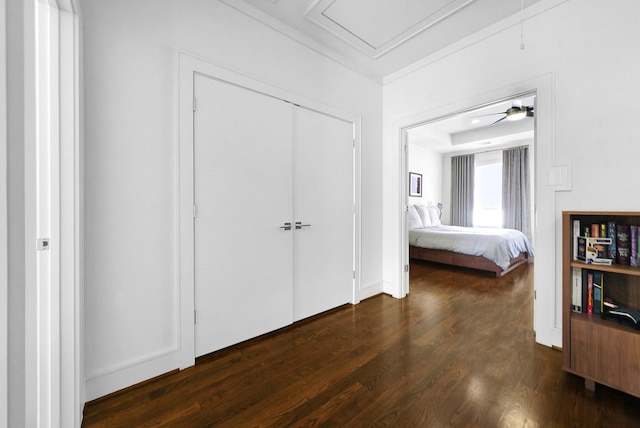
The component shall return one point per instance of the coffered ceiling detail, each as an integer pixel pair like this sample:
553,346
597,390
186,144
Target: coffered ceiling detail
375,27
380,37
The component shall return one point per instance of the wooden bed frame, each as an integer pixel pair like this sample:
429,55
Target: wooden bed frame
465,260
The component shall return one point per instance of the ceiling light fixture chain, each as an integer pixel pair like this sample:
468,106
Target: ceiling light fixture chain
521,24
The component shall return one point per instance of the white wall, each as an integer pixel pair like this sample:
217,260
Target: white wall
582,58
131,125
428,163
4,256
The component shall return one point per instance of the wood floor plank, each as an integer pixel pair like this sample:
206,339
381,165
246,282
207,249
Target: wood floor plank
458,351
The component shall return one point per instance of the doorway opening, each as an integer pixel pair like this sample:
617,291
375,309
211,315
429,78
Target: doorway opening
483,131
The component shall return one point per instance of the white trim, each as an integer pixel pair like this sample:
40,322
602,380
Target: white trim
357,219
353,63
148,368
53,342
544,277
32,349
186,256
189,66
97,380
70,219
404,192
41,182
4,272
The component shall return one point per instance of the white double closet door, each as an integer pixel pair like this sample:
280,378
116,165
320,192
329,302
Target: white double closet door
261,165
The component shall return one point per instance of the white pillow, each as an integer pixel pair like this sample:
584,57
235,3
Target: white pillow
434,214
424,215
414,218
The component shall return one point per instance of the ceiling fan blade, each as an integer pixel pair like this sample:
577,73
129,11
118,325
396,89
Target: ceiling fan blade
490,114
498,121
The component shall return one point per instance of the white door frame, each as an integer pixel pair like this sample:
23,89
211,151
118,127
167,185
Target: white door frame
54,394
404,141
547,324
188,66
4,255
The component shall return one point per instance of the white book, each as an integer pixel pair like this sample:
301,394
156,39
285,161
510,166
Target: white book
576,233
576,295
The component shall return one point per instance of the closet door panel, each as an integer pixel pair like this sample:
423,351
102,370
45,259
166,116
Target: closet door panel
323,199
243,193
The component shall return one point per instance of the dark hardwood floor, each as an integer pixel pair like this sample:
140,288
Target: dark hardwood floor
458,351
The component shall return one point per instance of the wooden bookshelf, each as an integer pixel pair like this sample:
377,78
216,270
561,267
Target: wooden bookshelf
601,351
614,268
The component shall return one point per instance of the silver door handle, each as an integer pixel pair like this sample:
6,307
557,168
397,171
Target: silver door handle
287,226
299,225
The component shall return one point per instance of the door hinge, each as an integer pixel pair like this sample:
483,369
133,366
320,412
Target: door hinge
195,211
354,274
194,104
406,148
406,268
195,317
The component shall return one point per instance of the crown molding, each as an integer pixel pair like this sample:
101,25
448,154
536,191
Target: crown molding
301,38
319,13
509,22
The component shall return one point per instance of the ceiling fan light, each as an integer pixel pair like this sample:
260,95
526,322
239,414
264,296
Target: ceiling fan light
516,115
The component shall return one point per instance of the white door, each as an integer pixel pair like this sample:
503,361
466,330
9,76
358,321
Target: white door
243,196
323,204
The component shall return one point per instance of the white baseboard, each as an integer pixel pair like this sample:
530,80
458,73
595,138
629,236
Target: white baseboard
371,290
100,386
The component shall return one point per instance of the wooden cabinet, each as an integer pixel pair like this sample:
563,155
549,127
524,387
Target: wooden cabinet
599,350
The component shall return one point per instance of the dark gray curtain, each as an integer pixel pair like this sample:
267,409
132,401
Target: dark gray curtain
516,196
462,173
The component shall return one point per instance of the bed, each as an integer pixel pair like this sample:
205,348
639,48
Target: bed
489,249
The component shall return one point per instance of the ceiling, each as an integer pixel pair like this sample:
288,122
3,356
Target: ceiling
378,37
471,130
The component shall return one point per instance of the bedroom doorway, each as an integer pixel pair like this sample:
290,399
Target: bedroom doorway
483,130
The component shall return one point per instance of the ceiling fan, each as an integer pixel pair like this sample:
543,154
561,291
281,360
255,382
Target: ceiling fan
513,113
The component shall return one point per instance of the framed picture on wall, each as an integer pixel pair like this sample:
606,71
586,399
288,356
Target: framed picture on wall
415,184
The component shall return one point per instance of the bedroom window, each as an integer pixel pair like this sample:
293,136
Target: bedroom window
487,194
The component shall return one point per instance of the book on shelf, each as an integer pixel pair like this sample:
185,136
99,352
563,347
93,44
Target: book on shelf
611,234
576,234
598,280
623,244
576,292
633,256
593,250
589,292
595,230
581,248
584,290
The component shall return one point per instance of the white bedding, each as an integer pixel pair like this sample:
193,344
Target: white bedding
497,245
